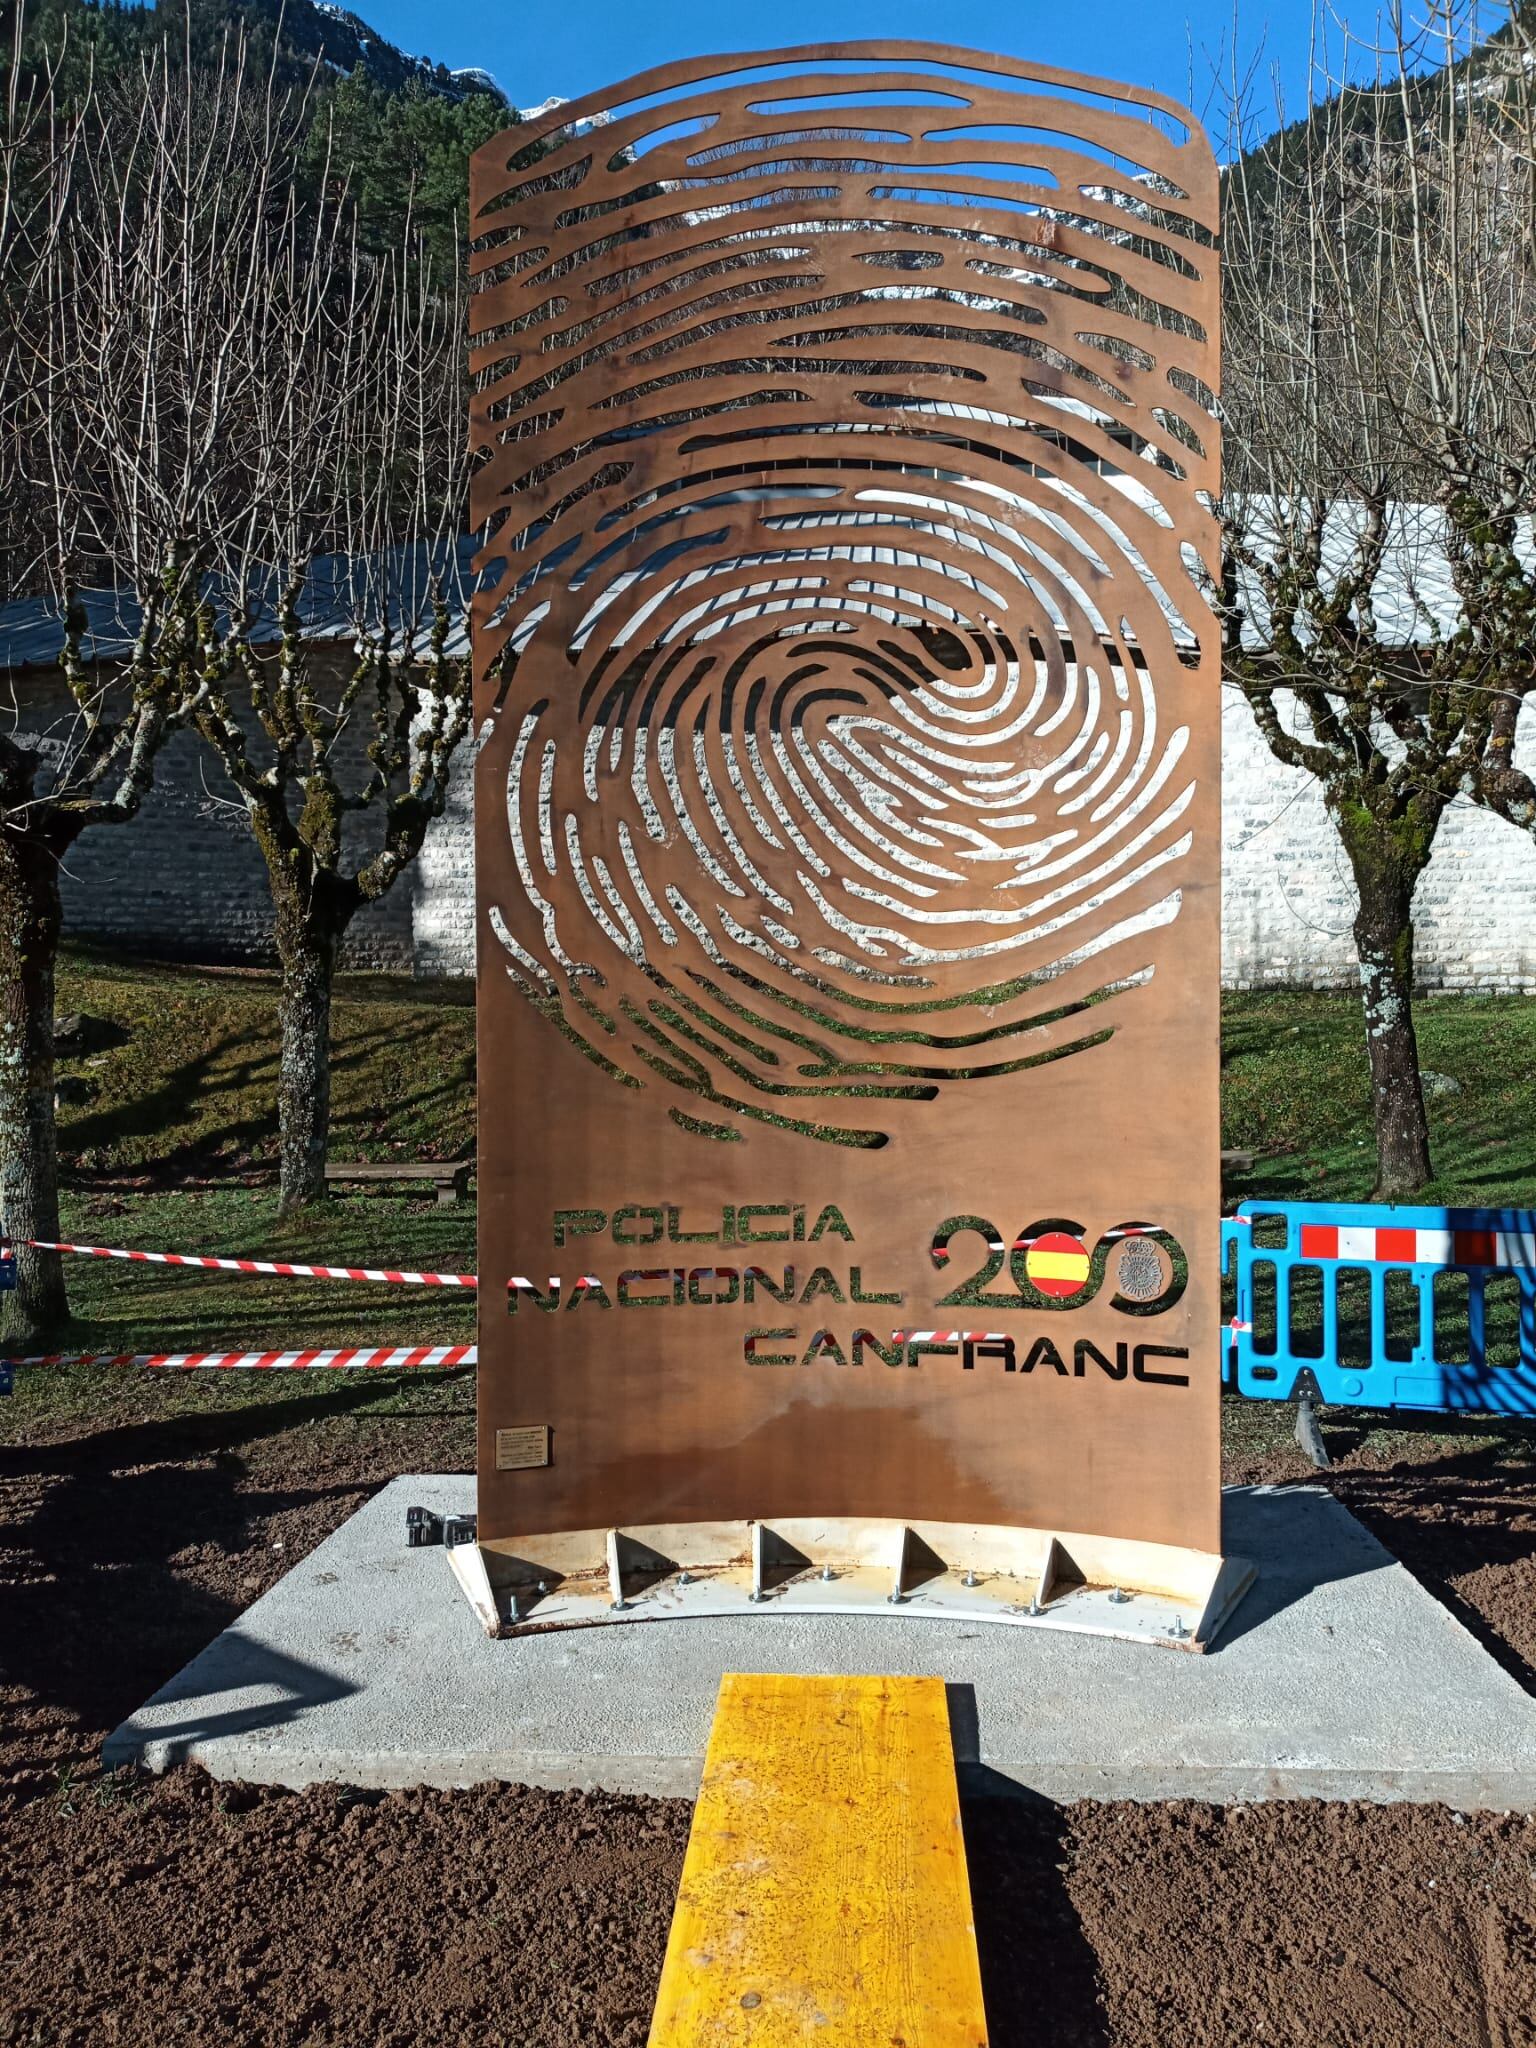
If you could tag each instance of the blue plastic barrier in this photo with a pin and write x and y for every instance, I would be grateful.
(1368, 1305)
(1364, 1305)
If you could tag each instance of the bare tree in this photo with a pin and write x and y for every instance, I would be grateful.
(359, 522)
(248, 429)
(93, 763)
(1376, 606)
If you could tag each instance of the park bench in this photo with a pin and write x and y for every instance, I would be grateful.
(449, 1176)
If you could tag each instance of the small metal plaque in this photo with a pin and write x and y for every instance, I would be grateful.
(518, 1449)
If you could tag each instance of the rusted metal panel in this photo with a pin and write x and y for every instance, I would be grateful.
(847, 799)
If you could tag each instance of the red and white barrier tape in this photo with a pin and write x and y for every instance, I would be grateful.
(382, 1358)
(949, 1336)
(286, 1272)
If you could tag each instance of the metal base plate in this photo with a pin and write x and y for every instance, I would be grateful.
(1031, 1578)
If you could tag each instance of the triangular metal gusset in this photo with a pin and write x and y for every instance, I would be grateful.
(1143, 1592)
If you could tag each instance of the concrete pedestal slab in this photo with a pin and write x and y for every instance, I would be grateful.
(1338, 1677)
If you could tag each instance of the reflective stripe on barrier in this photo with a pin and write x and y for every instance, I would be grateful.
(1375, 1306)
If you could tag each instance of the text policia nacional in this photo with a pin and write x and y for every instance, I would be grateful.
(1052, 1265)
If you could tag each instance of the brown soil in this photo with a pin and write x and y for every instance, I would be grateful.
(135, 1911)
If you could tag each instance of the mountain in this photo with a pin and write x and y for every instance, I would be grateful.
(399, 129)
(293, 35)
(1488, 69)
(344, 42)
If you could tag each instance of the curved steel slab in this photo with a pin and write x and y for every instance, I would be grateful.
(846, 801)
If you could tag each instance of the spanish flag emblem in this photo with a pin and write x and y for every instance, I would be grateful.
(1057, 1264)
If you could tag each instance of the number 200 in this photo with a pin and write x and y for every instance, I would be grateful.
(973, 1292)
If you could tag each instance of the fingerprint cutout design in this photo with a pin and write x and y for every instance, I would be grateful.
(847, 457)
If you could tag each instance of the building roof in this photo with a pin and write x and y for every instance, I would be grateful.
(1414, 593)
(338, 589)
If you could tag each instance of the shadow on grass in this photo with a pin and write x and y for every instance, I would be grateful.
(166, 1320)
(216, 1108)
(121, 1306)
(431, 1104)
(144, 1119)
(1494, 1176)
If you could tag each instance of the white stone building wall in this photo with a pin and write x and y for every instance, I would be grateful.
(1288, 898)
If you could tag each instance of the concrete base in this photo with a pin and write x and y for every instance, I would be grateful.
(1338, 1677)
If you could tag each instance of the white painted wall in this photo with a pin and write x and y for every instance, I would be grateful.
(1288, 898)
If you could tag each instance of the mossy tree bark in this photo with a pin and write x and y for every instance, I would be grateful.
(47, 799)
(29, 1155)
(283, 755)
(1387, 857)
(313, 904)
(1378, 295)
(1392, 735)
(1386, 807)
(306, 950)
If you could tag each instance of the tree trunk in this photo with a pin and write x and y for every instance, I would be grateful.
(307, 948)
(29, 1153)
(1387, 859)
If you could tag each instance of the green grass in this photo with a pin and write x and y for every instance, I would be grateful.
(191, 1091)
(81, 1401)
(120, 1307)
(1295, 1090)
(188, 1096)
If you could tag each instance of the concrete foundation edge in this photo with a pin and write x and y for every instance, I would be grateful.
(674, 1777)
(1343, 1679)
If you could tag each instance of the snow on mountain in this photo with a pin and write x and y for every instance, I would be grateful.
(559, 99)
(344, 42)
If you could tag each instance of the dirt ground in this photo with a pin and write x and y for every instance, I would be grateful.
(137, 1910)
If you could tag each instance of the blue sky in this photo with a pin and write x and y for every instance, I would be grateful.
(572, 46)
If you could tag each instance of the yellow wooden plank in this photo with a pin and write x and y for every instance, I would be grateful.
(824, 1895)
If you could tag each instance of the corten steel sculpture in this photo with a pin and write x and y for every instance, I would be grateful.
(847, 825)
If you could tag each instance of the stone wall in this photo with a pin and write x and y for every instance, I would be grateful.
(184, 879)
(1288, 898)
